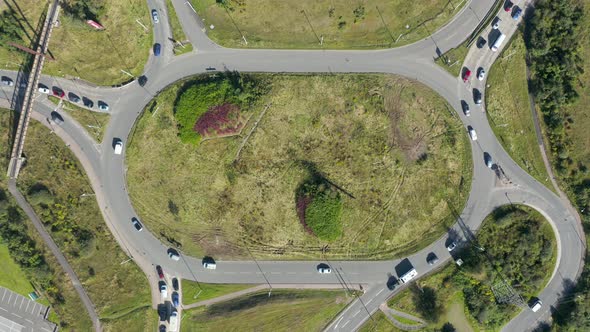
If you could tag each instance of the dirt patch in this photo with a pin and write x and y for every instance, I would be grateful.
(412, 143)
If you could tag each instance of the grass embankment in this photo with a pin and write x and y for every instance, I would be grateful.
(32, 256)
(338, 24)
(99, 56)
(378, 323)
(383, 142)
(509, 110)
(95, 123)
(305, 310)
(190, 290)
(53, 181)
(519, 242)
(177, 32)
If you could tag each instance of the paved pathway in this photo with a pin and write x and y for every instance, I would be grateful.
(406, 327)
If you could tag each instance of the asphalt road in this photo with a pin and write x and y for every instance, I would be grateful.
(107, 171)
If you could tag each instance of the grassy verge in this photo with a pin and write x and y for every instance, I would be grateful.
(53, 181)
(95, 123)
(509, 110)
(405, 320)
(139, 320)
(452, 61)
(99, 56)
(283, 311)
(356, 130)
(177, 32)
(378, 323)
(463, 297)
(336, 24)
(190, 289)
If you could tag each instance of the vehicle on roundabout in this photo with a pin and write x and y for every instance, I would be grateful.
(481, 73)
(118, 145)
(173, 254)
(324, 269)
(163, 289)
(535, 306)
(452, 246)
(136, 224)
(57, 118)
(155, 16)
(472, 134)
(392, 283)
(209, 263)
(465, 107)
(160, 272)
(103, 106)
(466, 75)
(431, 259)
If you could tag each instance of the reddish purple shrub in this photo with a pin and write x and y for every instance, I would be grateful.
(302, 203)
(220, 120)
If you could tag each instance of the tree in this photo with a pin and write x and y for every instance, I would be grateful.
(425, 301)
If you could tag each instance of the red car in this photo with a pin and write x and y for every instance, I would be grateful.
(466, 75)
(58, 92)
(508, 6)
(160, 272)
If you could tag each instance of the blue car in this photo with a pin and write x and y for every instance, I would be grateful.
(516, 13)
(157, 48)
(175, 299)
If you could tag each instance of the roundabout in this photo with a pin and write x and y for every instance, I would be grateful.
(108, 172)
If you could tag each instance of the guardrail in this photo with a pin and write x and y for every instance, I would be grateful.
(27, 102)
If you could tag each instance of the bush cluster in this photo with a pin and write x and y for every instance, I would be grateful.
(321, 208)
(206, 93)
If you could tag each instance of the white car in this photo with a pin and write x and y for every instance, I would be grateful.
(209, 265)
(103, 106)
(7, 81)
(119, 147)
(163, 290)
(536, 306)
(155, 16)
(324, 270)
(481, 74)
(496, 23)
(44, 90)
(472, 134)
(452, 246)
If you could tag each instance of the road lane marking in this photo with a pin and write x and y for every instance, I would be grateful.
(370, 300)
(338, 322)
(348, 321)
(356, 313)
(380, 292)
(291, 272)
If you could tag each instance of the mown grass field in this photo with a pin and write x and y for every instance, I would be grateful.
(190, 289)
(453, 285)
(77, 226)
(303, 310)
(394, 147)
(509, 110)
(95, 123)
(12, 276)
(81, 51)
(337, 24)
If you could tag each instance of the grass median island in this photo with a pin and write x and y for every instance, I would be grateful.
(196, 292)
(519, 242)
(284, 310)
(177, 33)
(323, 24)
(55, 184)
(391, 148)
(95, 123)
(509, 110)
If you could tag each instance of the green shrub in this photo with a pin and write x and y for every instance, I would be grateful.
(322, 215)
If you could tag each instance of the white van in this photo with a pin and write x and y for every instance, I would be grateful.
(498, 42)
(118, 147)
(173, 326)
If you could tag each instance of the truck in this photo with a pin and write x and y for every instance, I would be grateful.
(173, 326)
(498, 42)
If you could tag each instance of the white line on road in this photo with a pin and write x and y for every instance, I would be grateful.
(189, 4)
(338, 322)
(380, 292)
(370, 300)
(348, 321)
(356, 313)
